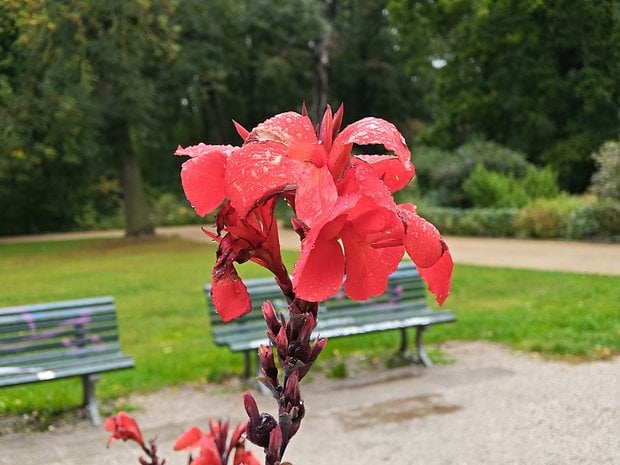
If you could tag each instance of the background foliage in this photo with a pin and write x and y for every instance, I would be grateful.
(95, 96)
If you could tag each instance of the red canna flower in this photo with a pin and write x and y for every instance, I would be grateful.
(123, 427)
(350, 226)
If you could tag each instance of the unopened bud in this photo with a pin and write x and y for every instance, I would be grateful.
(268, 364)
(259, 431)
(269, 313)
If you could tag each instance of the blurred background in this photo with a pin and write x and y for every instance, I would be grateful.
(511, 107)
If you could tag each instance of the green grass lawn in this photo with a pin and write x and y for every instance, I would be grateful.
(157, 285)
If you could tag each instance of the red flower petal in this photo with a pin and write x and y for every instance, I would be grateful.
(203, 181)
(422, 240)
(369, 131)
(316, 194)
(110, 424)
(390, 170)
(203, 149)
(229, 294)
(257, 170)
(439, 275)
(319, 271)
(235, 439)
(429, 252)
(244, 457)
(367, 268)
(366, 182)
(189, 439)
(284, 128)
(209, 455)
(243, 132)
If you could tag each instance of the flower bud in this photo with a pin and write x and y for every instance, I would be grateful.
(315, 350)
(275, 445)
(298, 351)
(269, 313)
(260, 425)
(282, 345)
(268, 364)
(259, 431)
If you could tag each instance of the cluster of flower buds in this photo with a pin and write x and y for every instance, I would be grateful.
(291, 341)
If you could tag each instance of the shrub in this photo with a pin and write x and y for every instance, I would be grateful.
(440, 174)
(600, 220)
(493, 222)
(541, 183)
(169, 210)
(605, 182)
(489, 189)
(494, 157)
(548, 218)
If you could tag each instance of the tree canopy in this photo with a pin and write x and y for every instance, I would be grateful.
(95, 96)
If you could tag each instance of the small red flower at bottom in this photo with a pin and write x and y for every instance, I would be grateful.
(123, 427)
(214, 446)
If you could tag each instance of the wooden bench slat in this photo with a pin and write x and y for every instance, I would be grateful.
(68, 304)
(330, 327)
(63, 356)
(43, 350)
(58, 371)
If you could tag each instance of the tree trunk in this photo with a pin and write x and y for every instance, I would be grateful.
(137, 218)
(137, 212)
(321, 92)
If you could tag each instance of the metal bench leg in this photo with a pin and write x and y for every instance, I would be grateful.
(403, 340)
(247, 369)
(424, 358)
(90, 403)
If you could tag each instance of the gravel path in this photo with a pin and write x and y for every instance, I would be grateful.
(586, 257)
(490, 407)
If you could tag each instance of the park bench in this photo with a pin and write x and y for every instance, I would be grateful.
(56, 340)
(402, 306)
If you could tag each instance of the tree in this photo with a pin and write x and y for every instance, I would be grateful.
(98, 63)
(127, 44)
(366, 70)
(47, 138)
(539, 77)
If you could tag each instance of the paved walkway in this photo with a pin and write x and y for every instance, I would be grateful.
(585, 257)
(491, 407)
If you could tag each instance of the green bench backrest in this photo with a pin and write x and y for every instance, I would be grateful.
(31, 334)
(404, 285)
